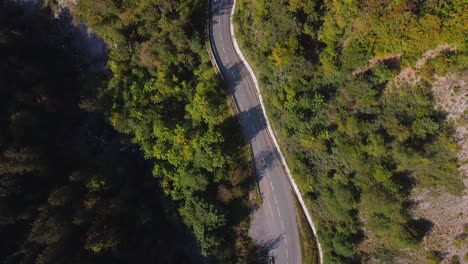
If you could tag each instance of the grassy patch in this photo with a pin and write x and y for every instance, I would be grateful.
(255, 197)
(306, 235)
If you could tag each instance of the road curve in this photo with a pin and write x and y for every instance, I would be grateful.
(274, 224)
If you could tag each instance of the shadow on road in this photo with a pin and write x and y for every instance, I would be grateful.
(219, 8)
(272, 243)
(253, 120)
(263, 161)
(266, 246)
(235, 73)
(262, 252)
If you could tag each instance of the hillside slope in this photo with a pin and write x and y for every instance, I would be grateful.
(348, 88)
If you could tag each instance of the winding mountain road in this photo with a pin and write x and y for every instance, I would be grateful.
(274, 224)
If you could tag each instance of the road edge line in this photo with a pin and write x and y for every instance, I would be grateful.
(272, 135)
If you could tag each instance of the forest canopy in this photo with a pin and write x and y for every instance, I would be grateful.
(142, 162)
(164, 93)
(72, 190)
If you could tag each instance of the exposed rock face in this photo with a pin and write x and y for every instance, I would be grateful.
(451, 94)
(448, 213)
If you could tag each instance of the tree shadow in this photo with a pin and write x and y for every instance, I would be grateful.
(234, 73)
(263, 161)
(421, 226)
(87, 47)
(406, 180)
(263, 249)
(220, 7)
(252, 120)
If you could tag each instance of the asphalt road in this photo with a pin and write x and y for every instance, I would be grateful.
(274, 224)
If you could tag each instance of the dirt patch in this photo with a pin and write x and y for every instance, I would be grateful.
(411, 75)
(376, 60)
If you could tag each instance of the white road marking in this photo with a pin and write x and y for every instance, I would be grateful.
(276, 201)
(272, 186)
(287, 256)
(222, 45)
(282, 226)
